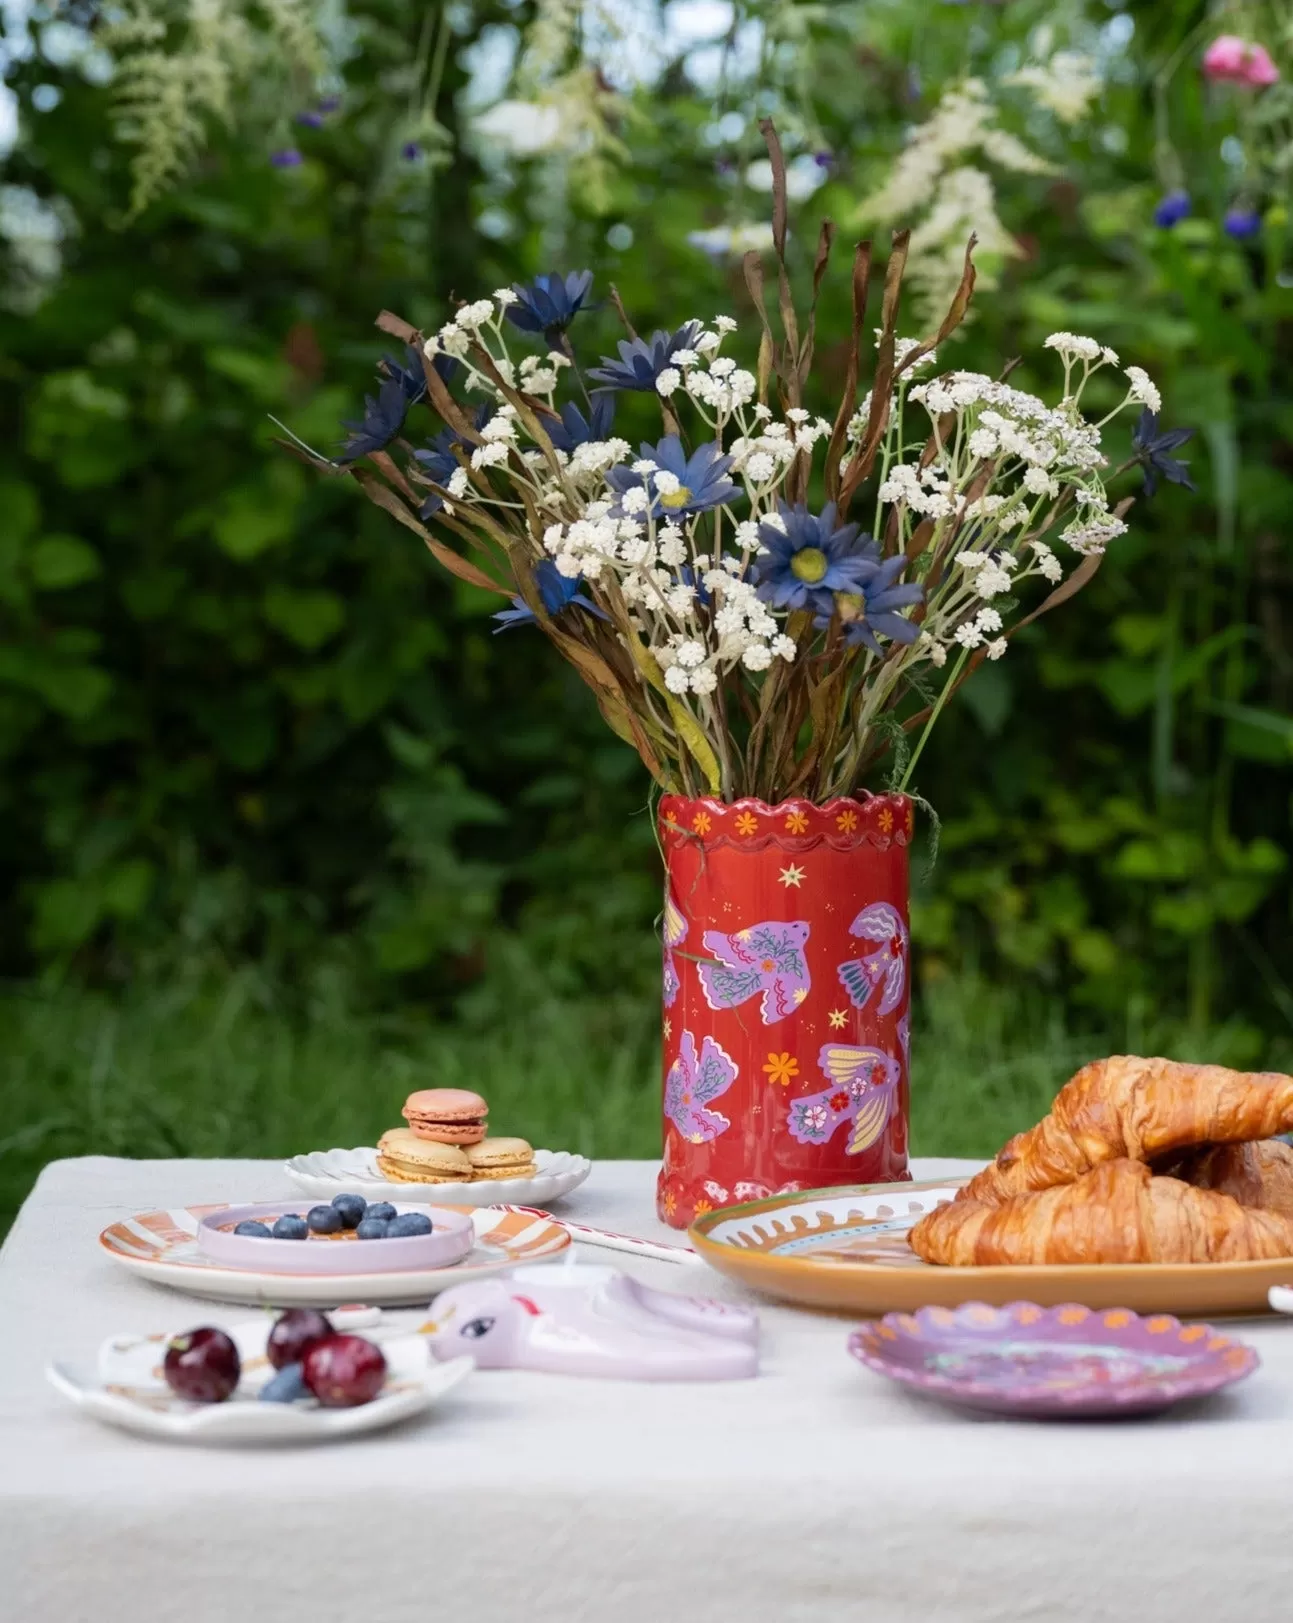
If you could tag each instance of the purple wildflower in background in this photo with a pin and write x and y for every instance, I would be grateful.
(328, 104)
(312, 119)
(824, 160)
(1242, 222)
(286, 158)
(1172, 207)
(410, 152)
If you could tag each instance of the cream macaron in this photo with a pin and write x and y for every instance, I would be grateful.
(501, 1158)
(404, 1157)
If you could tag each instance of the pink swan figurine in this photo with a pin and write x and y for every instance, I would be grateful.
(589, 1319)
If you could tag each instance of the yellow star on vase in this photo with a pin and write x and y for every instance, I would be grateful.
(800, 994)
(668, 1028)
(839, 1018)
(792, 875)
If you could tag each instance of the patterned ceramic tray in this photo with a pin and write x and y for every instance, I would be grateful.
(163, 1247)
(846, 1249)
(1031, 1360)
(324, 1173)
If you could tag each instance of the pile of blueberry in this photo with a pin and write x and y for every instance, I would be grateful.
(312, 1360)
(380, 1221)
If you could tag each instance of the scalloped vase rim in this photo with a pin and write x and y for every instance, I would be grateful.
(864, 797)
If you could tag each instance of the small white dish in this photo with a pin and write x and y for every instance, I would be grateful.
(450, 1239)
(324, 1173)
(1280, 1298)
(162, 1246)
(128, 1390)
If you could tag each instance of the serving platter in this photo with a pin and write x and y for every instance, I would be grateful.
(325, 1173)
(1065, 1361)
(846, 1250)
(162, 1247)
(128, 1389)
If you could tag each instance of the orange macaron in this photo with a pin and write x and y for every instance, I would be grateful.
(446, 1115)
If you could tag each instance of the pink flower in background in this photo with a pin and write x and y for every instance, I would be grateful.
(1232, 60)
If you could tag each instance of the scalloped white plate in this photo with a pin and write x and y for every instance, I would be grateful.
(333, 1172)
(129, 1390)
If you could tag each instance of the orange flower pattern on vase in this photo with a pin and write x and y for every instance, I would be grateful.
(701, 1207)
(781, 1068)
(796, 822)
(885, 820)
(747, 824)
(847, 821)
(701, 822)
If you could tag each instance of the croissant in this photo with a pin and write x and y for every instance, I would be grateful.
(1139, 1109)
(1119, 1212)
(1259, 1175)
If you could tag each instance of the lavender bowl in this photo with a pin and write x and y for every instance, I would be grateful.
(1052, 1361)
(449, 1241)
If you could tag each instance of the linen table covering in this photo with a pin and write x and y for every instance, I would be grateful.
(817, 1492)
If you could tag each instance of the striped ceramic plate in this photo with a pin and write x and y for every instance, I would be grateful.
(162, 1247)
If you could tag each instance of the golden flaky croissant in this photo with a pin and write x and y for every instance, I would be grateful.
(1120, 1212)
(1138, 1109)
(1259, 1175)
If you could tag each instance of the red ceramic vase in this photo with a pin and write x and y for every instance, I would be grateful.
(786, 998)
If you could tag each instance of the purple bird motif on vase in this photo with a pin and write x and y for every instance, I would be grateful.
(694, 1081)
(885, 966)
(766, 958)
(863, 1087)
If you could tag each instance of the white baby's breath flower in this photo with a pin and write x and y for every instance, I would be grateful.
(703, 681)
(666, 483)
(707, 343)
(992, 581)
(775, 520)
(671, 545)
(458, 483)
(972, 560)
(762, 412)
(645, 465)
(1039, 483)
(968, 635)
(690, 653)
(680, 600)
(635, 501)
(724, 324)
(784, 647)
(996, 648)
(1093, 534)
(988, 620)
(757, 656)
(747, 535)
(684, 357)
(937, 655)
(760, 468)
(475, 315)
(1109, 356)
(668, 381)
(505, 296)
(489, 455)
(499, 427)
(723, 367)
(1069, 343)
(454, 341)
(1143, 389)
(676, 679)
(569, 564)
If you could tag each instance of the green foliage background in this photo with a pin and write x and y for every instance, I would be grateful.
(245, 721)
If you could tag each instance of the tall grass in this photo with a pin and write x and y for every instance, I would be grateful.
(197, 1072)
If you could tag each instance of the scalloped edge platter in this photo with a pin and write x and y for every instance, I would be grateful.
(845, 1250)
(325, 1173)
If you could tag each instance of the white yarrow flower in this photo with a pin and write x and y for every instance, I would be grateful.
(996, 648)
(676, 679)
(1143, 389)
(1069, 343)
(668, 381)
(458, 482)
(703, 681)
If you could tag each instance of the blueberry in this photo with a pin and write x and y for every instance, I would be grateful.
(406, 1224)
(290, 1227)
(381, 1209)
(352, 1209)
(372, 1228)
(324, 1220)
(256, 1230)
(287, 1386)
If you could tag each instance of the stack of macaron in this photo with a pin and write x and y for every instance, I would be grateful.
(446, 1141)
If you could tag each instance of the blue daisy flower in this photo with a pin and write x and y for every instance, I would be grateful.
(576, 429)
(1172, 208)
(803, 565)
(1152, 448)
(871, 607)
(549, 303)
(643, 359)
(557, 592)
(438, 461)
(399, 387)
(702, 478)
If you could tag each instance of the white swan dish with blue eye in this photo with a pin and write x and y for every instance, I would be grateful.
(587, 1319)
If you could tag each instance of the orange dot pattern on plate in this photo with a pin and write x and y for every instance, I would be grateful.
(1073, 1315)
(1160, 1324)
(1192, 1332)
(1119, 1319)
(1028, 1315)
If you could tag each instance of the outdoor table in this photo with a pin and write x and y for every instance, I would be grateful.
(818, 1492)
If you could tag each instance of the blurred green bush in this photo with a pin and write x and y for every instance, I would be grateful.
(243, 717)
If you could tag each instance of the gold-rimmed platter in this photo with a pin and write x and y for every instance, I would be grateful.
(846, 1251)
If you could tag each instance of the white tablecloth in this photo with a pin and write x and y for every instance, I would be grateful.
(817, 1493)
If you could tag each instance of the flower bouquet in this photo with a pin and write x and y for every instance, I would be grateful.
(771, 605)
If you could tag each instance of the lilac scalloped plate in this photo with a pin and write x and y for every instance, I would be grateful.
(1052, 1361)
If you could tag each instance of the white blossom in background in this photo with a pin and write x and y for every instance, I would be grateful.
(1066, 85)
